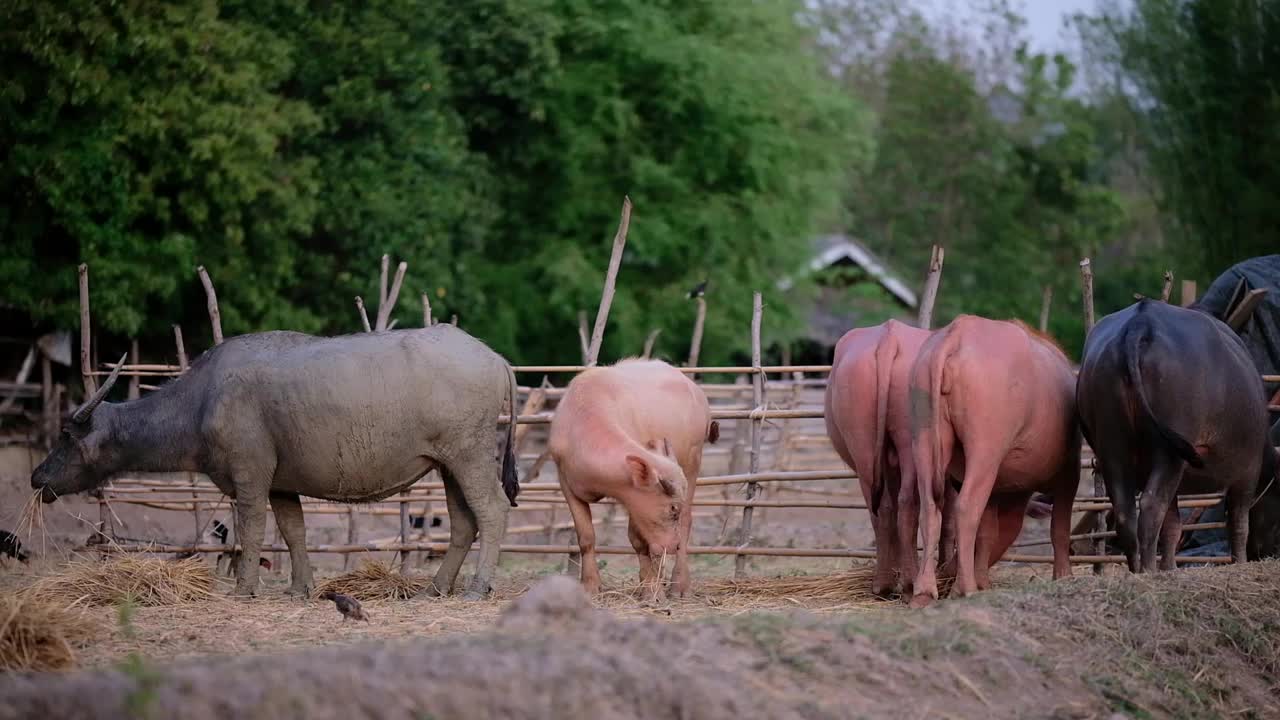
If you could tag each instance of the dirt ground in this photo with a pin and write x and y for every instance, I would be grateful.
(1194, 643)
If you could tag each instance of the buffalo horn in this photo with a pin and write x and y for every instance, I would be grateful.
(84, 411)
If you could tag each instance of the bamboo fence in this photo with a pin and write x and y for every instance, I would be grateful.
(195, 494)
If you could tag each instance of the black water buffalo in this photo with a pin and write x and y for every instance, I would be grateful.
(1169, 399)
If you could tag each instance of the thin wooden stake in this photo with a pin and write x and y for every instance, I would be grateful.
(86, 361)
(384, 310)
(182, 350)
(930, 294)
(649, 341)
(1099, 486)
(364, 315)
(1168, 286)
(48, 406)
(426, 311)
(382, 281)
(1188, 292)
(695, 343)
(1086, 276)
(135, 391)
(584, 336)
(215, 317)
(610, 280)
(1046, 301)
(757, 313)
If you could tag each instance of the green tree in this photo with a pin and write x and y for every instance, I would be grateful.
(140, 137)
(1200, 78)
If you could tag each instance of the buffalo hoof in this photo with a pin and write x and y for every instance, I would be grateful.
(921, 601)
(474, 595)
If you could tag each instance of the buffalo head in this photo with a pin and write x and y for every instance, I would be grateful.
(660, 503)
(76, 462)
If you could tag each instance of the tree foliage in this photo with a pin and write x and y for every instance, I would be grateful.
(287, 145)
(1200, 78)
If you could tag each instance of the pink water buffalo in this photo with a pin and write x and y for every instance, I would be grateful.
(868, 421)
(634, 432)
(992, 408)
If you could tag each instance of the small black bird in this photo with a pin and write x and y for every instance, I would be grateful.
(698, 290)
(10, 546)
(347, 605)
(220, 531)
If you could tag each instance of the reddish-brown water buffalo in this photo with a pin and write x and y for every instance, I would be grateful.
(634, 432)
(1169, 398)
(868, 421)
(993, 408)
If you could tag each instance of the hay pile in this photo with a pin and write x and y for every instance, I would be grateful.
(41, 636)
(851, 586)
(145, 581)
(373, 580)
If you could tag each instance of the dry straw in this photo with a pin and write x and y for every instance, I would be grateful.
(38, 635)
(145, 581)
(373, 580)
(850, 586)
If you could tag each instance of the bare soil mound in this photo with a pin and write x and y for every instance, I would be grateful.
(1195, 643)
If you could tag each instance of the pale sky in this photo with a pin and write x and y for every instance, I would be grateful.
(1044, 17)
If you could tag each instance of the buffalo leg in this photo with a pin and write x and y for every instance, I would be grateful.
(884, 522)
(1119, 479)
(975, 493)
(1170, 534)
(680, 576)
(462, 533)
(251, 524)
(1064, 495)
(650, 573)
(1239, 502)
(288, 511)
(983, 549)
(581, 513)
(490, 505)
(1161, 489)
(908, 527)
(931, 488)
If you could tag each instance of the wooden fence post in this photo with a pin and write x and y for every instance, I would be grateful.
(757, 311)
(364, 315)
(1168, 286)
(1099, 485)
(699, 320)
(211, 296)
(135, 389)
(610, 282)
(930, 294)
(1188, 292)
(86, 363)
(1046, 301)
(182, 350)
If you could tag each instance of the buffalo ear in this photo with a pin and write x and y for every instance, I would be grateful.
(641, 473)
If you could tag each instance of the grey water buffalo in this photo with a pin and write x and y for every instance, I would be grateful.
(992, 408)
(273, 416)
(1169, 399)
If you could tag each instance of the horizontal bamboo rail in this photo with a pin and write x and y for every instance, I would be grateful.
(619, 550)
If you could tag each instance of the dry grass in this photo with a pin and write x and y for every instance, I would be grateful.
(39, 635)
(144, 581)
(851, 586)
(373, 580)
